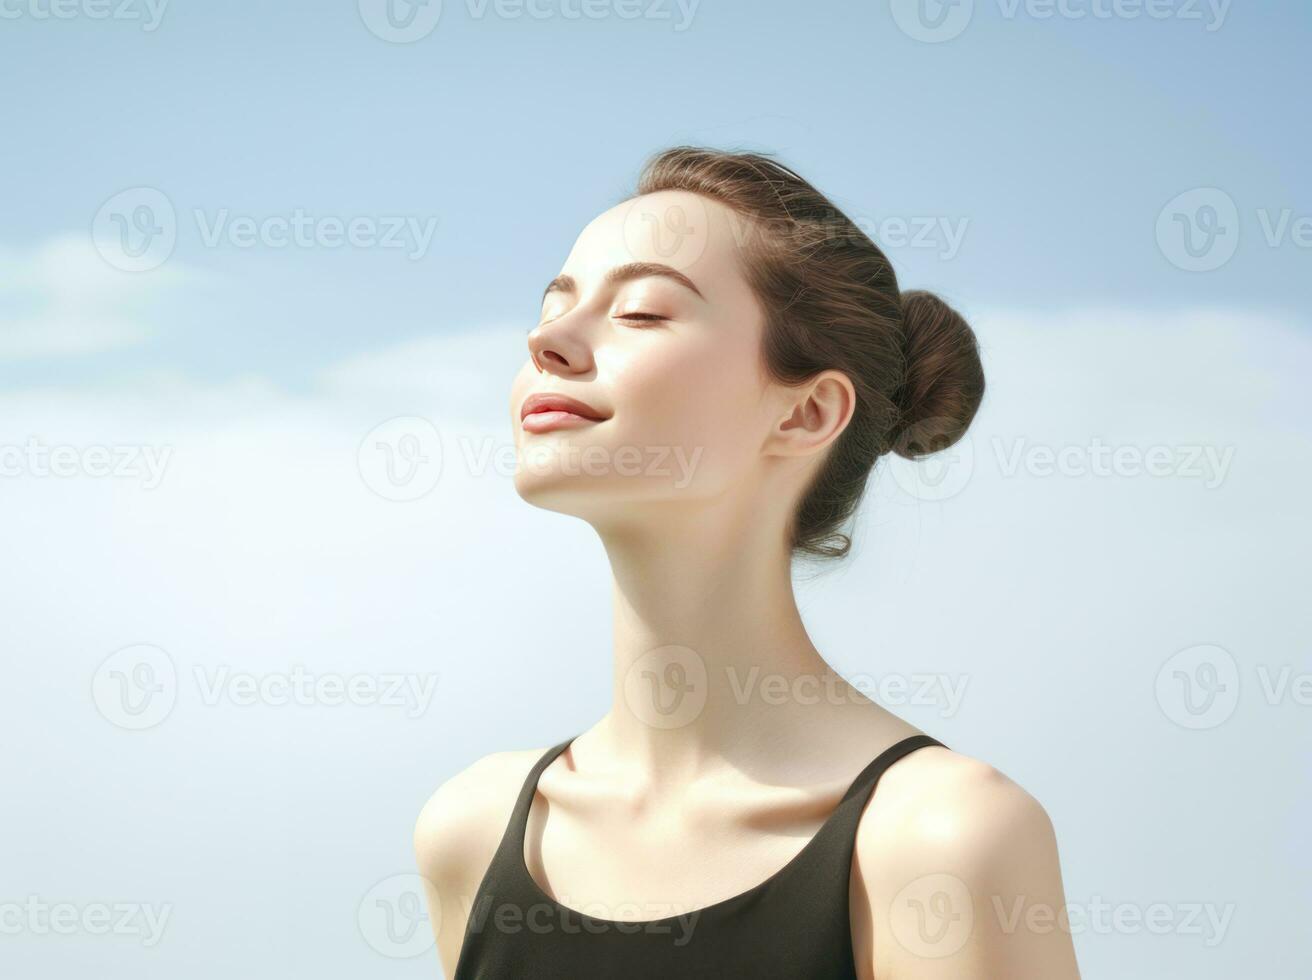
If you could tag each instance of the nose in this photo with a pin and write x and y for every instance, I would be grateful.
(561, 347)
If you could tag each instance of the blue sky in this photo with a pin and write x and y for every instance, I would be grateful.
(1050, 143)
(1119, 203)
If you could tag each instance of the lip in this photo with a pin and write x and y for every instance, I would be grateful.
(544, 411)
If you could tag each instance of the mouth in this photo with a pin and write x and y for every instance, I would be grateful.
(543, 412)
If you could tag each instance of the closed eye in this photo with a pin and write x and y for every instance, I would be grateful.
(641, 316)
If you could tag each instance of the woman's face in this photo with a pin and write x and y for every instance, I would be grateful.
(652, 325)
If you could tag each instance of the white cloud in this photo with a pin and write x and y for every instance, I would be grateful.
(62, 298)
(461, 375)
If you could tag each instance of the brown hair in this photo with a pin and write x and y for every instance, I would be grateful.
(832, 301)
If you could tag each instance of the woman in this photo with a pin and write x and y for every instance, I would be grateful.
(717, 368)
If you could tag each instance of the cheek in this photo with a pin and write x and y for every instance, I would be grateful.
(694, 398)
(519, 388)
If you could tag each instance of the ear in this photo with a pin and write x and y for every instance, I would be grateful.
(818, 412)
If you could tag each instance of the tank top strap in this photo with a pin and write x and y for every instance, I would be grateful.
(831, 847)
(837, 838)
(518, 825)
(847, 814)
(865, 781)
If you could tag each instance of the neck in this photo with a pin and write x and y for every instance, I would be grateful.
(706, 635)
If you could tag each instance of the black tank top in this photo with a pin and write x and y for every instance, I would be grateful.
(794, 925)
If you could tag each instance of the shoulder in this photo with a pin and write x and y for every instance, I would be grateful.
(459, 827)
(948, 836)
(951, 804)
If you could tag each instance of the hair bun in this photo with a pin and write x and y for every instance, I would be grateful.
(943, 382)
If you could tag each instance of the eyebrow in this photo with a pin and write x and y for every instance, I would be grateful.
(626, 273)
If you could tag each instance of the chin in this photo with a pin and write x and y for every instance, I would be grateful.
(551, 485)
